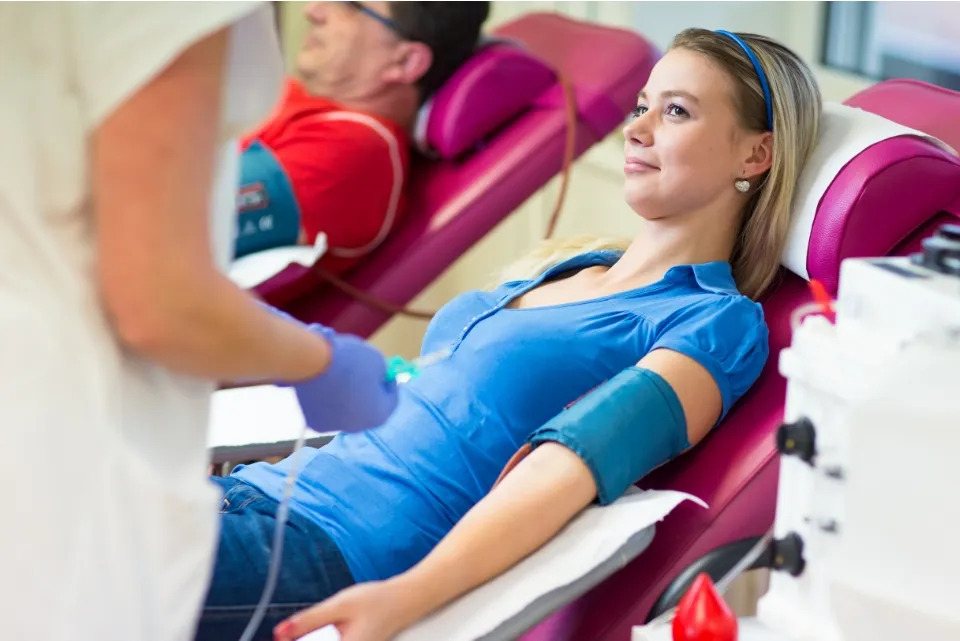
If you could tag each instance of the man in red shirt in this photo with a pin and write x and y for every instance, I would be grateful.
(335, 156)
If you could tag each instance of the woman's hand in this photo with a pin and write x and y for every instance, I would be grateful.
(532, 503)
(375, 611)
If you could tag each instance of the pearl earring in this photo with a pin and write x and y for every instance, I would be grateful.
(742, 185)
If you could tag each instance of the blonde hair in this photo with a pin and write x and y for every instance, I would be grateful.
(797, 104)
(551, 252)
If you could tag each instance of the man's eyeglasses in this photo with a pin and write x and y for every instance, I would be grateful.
(382, 19)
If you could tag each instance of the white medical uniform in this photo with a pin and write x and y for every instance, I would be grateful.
(108, 526)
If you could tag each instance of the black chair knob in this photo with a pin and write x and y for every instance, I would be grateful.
(798, 439)
(941, 252)
(788, 554)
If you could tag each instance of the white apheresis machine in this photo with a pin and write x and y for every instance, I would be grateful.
(869, 491)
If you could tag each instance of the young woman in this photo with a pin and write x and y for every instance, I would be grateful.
(649, 343)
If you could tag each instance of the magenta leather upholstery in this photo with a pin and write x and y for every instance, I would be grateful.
(880, 198)
(501, 81)
(882, 203)
(454, 203)
(935, 112)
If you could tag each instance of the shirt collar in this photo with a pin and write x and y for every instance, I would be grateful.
(716, 277)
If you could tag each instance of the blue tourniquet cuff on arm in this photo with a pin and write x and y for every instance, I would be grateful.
(622, 430)
(268, 213)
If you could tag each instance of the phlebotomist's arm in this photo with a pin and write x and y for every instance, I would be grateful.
(151, 172)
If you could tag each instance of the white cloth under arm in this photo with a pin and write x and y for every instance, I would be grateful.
(109, 523)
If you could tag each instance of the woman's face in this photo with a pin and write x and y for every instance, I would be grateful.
(684, 145)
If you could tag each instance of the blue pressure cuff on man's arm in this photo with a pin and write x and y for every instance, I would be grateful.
(268, 213)
(622, 430)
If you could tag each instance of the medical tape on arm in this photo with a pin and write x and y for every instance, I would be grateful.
(622, 430)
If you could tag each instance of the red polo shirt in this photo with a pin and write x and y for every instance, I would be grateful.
(343, 171)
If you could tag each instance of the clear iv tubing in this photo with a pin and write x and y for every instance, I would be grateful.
(284, 509)
(432, 357)
(801, 312)
(277, 551)
(409, 369)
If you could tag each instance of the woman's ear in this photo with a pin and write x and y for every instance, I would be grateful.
(413, 61)
(759, 155)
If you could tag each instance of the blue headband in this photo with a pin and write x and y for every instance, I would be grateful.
(767, 98)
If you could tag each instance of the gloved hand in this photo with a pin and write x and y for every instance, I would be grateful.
(353, 394)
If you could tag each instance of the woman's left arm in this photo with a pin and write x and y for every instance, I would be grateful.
(531, 504)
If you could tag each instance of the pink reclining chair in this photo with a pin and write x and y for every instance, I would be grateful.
(496, 133)
(882, 202)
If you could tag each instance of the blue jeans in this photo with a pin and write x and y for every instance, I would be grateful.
(311, 568)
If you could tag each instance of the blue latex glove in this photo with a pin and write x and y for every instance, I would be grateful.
(353, 394)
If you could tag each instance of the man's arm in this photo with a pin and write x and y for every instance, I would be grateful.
(268, 212)
(340, 177)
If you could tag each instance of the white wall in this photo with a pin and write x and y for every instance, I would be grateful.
(593, 203)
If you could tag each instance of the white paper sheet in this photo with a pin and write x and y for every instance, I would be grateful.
(589, 540)
(844, 133)
(253, 269)
(249, 415)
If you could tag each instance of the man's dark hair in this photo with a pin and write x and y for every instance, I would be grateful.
(450, 29)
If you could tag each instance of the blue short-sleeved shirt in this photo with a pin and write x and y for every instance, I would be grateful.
(388, 495)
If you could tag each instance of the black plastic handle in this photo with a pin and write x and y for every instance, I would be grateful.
(784, 554)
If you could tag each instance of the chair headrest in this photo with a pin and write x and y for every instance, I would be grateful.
(898, 100)
(841, 207)
(499, 82)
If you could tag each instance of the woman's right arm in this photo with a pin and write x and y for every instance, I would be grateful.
(152, 171)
